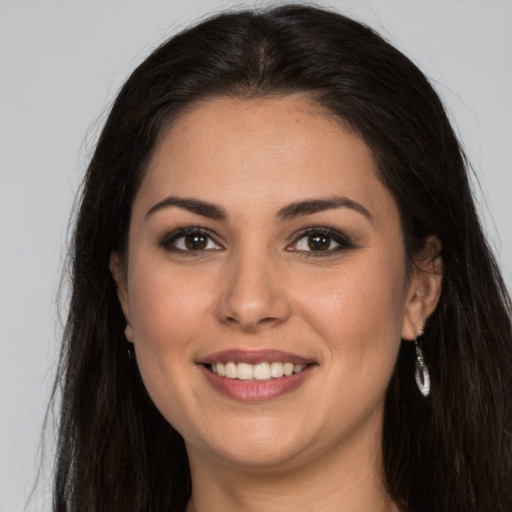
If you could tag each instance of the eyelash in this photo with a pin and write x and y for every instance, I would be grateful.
(168, 241)
(343, 241)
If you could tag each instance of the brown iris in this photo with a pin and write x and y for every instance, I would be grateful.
(319, 242)
(196, 242)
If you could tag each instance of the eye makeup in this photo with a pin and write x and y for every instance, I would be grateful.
(320, 241)
(314, 241)
(190, 241)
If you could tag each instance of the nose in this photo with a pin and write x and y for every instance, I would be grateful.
(254, 295)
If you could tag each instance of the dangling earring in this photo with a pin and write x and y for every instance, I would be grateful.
(128, 333)
(421, 374)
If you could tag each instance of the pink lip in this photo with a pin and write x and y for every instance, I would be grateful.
(253, 390)
(253, 357)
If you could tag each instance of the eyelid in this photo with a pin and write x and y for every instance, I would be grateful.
(344, 241)
(167, 240)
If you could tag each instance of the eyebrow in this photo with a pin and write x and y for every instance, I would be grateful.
(311, 206)
(203, 208)
(289, 212)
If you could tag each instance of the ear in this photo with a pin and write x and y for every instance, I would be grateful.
(117, 269)
(424, 288)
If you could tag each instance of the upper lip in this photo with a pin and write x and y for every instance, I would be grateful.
(254, 357)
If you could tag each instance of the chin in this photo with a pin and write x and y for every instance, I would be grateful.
(261, 444)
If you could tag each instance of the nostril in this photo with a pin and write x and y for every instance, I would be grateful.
(253, 296)
(253, 324)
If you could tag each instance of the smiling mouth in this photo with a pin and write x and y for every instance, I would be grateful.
(256, 375)
(263, 371)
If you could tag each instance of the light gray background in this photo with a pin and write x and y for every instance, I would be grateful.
(61, 63)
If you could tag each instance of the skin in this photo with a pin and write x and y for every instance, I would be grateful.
(257, 284)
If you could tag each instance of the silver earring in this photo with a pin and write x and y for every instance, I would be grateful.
(421, 374)
(128, 333)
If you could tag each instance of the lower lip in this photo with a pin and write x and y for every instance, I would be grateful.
(254, 390)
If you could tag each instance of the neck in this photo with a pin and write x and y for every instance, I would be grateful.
(349, 479)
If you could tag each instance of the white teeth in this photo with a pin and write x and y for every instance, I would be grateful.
(231, 370)
(298, 368)
(244, 371)
(276, 369)
(259, 371)
(288, 369)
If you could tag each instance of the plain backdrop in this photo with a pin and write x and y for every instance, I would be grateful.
(61, 63)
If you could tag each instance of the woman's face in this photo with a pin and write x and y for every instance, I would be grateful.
(262, 243)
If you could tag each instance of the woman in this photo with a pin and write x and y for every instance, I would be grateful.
(282, 297)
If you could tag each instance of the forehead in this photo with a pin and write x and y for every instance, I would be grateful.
(261, 151)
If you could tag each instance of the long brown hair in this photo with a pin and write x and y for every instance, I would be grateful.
(452, 451)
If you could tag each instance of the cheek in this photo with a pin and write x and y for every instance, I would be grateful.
(359, 311)
(165, 306)
(168, 311)
(360, 322)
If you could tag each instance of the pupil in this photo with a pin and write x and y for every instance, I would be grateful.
(318, 242)
(195, 242)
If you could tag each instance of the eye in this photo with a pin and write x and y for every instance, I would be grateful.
(191, 240)
(317, 242)
(323, 241)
